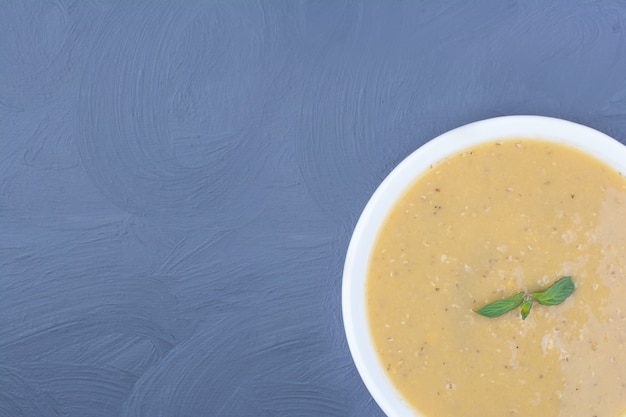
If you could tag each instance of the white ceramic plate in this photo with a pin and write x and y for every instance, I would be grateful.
(357, 330)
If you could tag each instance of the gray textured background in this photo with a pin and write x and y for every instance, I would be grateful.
(179, 181)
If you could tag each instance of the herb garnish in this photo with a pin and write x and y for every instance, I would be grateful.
(553, 295)
(526, 306)
(498, 308)
(556, 293)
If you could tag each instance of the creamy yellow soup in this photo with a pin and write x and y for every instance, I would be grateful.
(483, 225)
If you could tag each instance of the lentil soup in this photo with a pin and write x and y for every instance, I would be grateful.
(482, 225)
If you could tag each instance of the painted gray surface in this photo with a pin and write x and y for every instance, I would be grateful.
(179, 181)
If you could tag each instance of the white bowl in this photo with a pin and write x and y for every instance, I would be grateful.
(384, 198)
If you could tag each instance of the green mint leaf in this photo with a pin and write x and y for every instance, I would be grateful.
(498, 308)
(556, 293)
(526, 306)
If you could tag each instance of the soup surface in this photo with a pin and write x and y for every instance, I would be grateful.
(483, 225)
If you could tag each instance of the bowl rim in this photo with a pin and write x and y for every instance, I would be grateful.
(354, 308)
